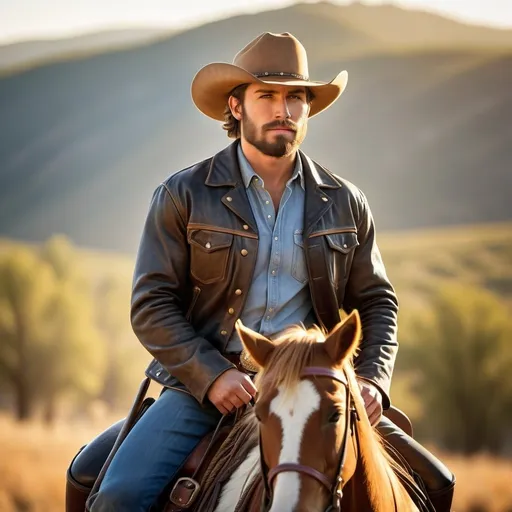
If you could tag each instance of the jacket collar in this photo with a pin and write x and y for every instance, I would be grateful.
(225, 170)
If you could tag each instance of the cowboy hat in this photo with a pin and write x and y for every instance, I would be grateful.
(269, 59)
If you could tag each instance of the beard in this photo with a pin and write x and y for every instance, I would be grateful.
(280, 145)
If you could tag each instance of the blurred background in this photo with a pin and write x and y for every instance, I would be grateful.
(95, 111)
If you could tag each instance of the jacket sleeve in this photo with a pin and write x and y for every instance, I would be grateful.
(371, 293)
(160, 283)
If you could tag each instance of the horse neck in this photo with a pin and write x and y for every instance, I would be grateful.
(374, 481)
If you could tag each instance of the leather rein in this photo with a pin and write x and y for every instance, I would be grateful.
(334, 488)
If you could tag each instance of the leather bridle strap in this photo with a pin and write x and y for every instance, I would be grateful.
(299, 468)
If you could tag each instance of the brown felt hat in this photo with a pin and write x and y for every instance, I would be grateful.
(269, 59)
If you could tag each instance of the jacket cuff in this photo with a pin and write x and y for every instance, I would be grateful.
(214, 366)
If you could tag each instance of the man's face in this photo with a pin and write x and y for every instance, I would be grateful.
(274, 118)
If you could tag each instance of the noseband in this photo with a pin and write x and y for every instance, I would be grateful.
(334, 488)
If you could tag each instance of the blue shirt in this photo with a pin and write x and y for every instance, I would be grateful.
(279, 293)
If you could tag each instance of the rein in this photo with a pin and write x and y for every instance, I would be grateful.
(334, 488)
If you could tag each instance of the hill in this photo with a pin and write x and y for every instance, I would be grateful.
(19, 56)
(423, 127)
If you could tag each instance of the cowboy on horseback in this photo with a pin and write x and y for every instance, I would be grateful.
(261, 233)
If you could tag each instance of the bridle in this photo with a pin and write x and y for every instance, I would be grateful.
(334, 488)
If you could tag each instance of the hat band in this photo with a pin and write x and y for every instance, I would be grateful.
(281, 74)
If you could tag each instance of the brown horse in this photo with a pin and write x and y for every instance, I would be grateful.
(312, 447)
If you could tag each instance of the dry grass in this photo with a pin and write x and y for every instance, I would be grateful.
(34, 460)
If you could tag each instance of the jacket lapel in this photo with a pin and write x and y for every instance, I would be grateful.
(225, 172)
(318, 200)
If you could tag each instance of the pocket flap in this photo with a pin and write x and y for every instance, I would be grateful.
(210, 241)
(342, 242)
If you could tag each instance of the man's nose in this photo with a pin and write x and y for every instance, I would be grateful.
(282, 111)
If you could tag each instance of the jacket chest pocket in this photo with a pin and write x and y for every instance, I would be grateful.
(341, 248)
(209, 255)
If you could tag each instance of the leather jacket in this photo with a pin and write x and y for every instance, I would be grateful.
(197, 256)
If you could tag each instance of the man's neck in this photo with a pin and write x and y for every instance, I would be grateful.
(275, 172)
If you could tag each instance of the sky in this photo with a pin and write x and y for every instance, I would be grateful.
(34, 19)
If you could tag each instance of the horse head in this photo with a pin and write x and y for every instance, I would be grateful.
(305, 412)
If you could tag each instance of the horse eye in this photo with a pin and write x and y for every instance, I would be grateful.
(334, 417)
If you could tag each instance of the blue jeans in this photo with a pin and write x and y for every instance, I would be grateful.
(153, 452)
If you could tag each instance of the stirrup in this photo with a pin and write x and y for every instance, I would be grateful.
(184, 492)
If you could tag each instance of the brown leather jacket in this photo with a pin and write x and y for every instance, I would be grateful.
(197, 256)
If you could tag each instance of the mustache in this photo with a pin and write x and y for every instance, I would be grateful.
(281, 124)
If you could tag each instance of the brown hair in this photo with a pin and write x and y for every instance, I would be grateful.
(231, 124)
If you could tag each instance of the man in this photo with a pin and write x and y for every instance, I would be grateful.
(262, 233)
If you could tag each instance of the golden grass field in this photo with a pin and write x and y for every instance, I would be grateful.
(34, 460)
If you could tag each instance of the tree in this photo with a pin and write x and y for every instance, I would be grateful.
(50, 346)
(126, 358)
(463, 355)
(26, 288)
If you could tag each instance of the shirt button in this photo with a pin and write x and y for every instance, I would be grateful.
(276, 238)
(345, 246)
(325, 199)
(273, 272)
(208, 245)
(267, 202)
(269, 216)
(270, 310)
(223, 332)
(229, 199)
(245, 226)
(238, 292)
(231, 311)
(268, 318)
(244, 252)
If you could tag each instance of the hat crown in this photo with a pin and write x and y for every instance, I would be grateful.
(274, 54)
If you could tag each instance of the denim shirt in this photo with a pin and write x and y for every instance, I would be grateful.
(279, 293)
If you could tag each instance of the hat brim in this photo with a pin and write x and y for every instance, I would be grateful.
(213, 84)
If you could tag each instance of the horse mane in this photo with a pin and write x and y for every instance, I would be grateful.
(293, 352)
(380, 469)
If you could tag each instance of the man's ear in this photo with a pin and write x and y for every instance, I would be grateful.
(235, 106)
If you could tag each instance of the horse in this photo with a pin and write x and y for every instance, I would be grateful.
(307, 444)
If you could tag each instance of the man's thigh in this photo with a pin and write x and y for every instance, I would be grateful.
(155, 449)
(432, 471)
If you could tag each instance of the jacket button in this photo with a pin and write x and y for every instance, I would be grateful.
(231, 311)
(223, 332)
(244, 252)
(238, 292)
(245, 226)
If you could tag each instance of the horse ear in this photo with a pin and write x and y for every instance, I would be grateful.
(343, 340)
(258, 347)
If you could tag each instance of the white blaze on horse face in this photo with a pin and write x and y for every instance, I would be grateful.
(294, 410)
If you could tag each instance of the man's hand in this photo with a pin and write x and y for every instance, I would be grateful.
(372, 401)
(231, 390)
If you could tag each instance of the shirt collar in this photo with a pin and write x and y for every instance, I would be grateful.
(248, 173)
